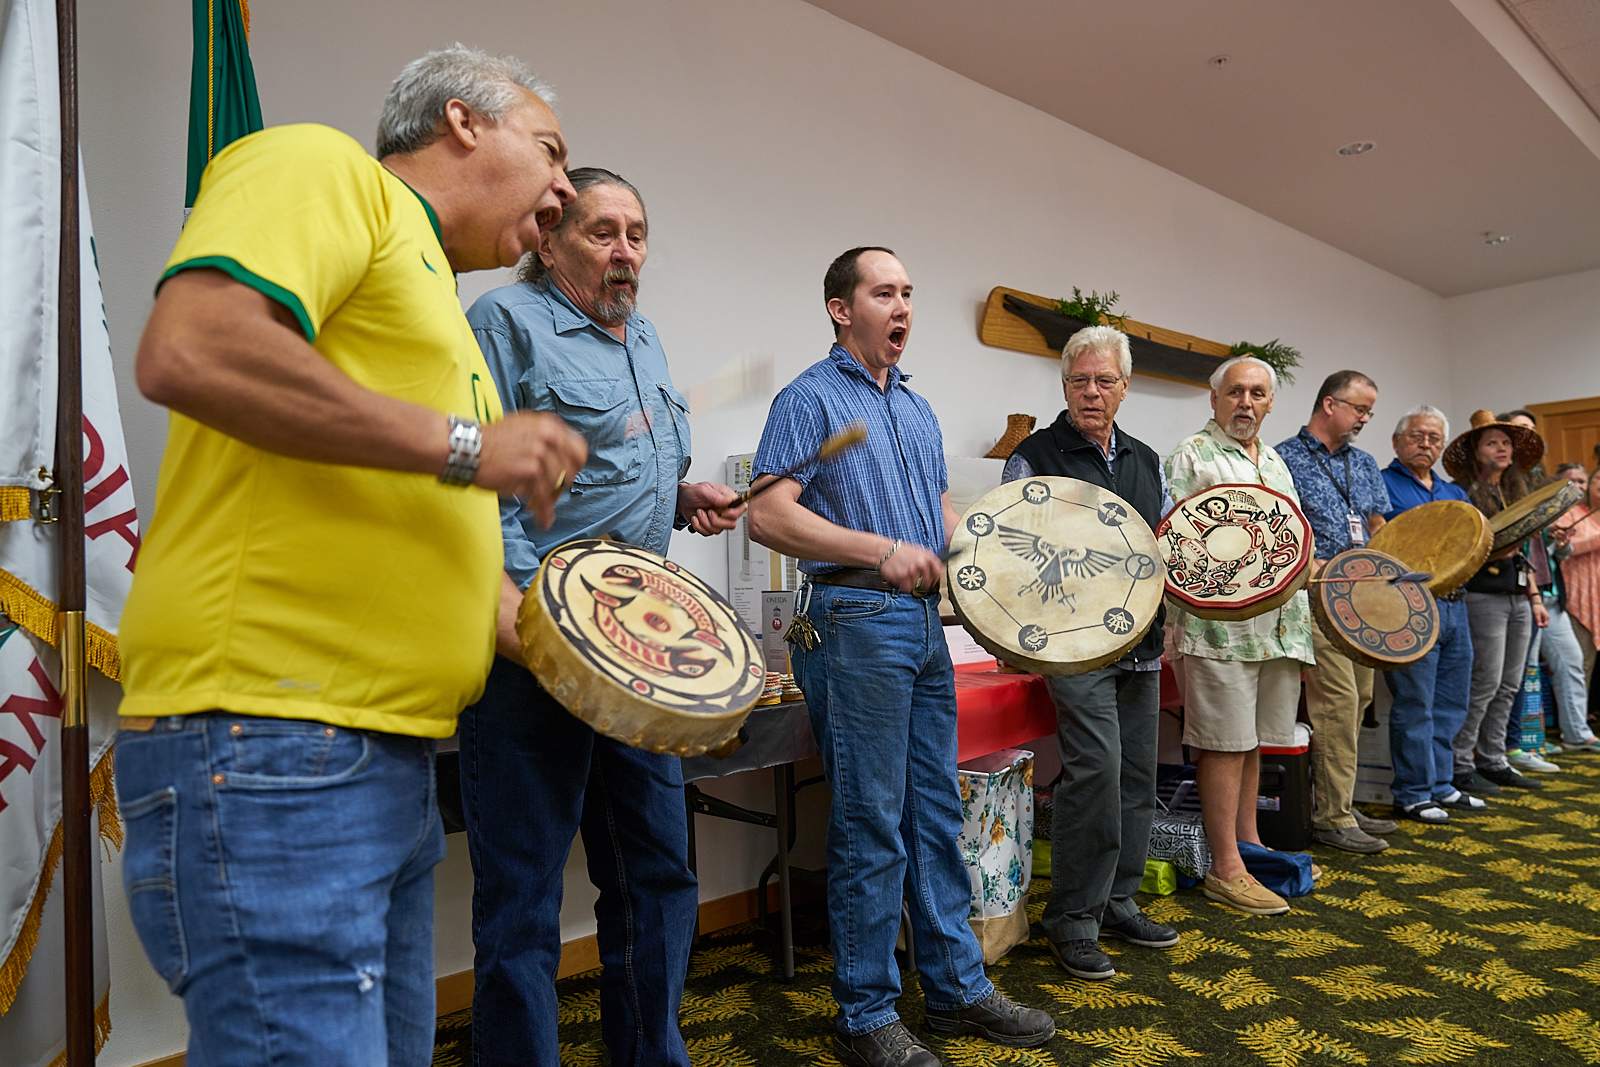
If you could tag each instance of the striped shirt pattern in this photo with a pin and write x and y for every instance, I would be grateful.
(890, 485)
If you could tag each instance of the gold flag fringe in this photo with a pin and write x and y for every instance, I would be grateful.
(102, 1030)
(37, 615)
(103, 797)
(14, 501)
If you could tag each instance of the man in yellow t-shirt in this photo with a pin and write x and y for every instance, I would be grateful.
(317, 595)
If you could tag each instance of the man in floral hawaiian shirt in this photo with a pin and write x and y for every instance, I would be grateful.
(1241, 679)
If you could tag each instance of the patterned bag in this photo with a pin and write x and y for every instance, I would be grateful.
(996, 844)
(1529, 710)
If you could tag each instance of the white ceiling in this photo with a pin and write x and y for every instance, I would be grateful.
(1465, 143)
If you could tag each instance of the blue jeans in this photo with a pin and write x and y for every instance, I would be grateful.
(1106, 726)
(532, 778)
(280, 876)
(881, 693)
(1560, 648)
(1430, 704)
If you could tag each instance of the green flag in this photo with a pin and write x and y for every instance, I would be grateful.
(223, 105)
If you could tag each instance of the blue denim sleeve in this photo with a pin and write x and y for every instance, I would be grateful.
(505, 367)
(793, 433)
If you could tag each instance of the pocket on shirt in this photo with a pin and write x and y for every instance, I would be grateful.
(678, 404)
(598, 409)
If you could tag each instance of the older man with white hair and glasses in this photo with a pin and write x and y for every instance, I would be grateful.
(1241, 680)
(316, 595)
(1430, 695)
(1106, 720)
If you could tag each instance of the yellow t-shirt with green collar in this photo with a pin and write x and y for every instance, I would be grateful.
(280, 587)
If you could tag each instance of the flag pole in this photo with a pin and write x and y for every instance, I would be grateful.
(77, 854)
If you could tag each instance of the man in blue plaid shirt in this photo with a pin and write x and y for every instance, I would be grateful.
(870, 530)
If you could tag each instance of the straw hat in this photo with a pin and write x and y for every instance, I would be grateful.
(1527, 446)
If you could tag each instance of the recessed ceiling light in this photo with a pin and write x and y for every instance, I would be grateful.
(1489, 238)
(1219, 61)
(1356, 148)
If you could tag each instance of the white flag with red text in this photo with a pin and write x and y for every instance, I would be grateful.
(32, 1020)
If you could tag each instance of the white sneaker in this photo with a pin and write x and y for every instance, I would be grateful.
(1527, 761)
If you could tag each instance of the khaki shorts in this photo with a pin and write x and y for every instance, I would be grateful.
(1230, 706)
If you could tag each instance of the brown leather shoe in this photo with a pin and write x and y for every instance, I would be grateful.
(1246, 894)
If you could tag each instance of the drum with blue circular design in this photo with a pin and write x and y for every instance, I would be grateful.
(1055, 575)
(1372, 612)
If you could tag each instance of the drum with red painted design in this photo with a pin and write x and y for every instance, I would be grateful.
(1371, 612)
(1235, 551)
(639, 648)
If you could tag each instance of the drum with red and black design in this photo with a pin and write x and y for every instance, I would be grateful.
(639, 648)
(1235, 551)
(1373, 610)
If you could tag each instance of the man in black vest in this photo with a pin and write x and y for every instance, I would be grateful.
(1105, 720)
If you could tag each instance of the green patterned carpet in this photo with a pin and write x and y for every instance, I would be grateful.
(1473, 943)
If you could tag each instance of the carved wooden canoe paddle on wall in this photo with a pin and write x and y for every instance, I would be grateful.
(1027, 323)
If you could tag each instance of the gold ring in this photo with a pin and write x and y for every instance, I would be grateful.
(561, 480)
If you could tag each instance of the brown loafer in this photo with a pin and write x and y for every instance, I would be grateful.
(1246, 894)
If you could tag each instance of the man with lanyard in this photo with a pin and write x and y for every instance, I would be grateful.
(870, 654)
(1430, 695)
(567, 340)
(315, 598)
(1241, 680)
(1106, 720)
(1343, 497)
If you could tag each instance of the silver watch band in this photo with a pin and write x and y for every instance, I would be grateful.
(466, 442)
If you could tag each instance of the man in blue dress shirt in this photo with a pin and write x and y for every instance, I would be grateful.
(567, 340)
(1343, 497)
(1430, 695)
(869, 530)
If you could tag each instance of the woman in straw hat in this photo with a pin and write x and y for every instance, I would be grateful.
(1490, 461)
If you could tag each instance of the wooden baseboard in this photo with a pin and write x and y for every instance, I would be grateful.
(454, 991)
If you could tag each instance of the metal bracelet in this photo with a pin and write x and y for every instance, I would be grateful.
(886, 555)
(466, 442)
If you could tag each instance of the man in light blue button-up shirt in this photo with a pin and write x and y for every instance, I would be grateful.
(567, 340)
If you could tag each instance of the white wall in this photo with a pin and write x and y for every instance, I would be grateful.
(766, 136)
(1533, 343)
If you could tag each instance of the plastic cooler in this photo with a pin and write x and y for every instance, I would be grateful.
(1283, 806)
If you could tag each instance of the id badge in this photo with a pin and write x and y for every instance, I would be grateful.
(1358, 530)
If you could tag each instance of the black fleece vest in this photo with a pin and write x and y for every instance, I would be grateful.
(1061, 451)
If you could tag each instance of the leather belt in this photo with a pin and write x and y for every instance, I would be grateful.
(865, 578)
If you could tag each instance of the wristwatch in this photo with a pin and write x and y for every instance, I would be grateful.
(466, 443)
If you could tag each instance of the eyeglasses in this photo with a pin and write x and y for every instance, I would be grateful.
(1104, 382)
(1428, 439)
(1361, 410)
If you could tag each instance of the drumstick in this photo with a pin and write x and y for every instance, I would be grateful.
(845, 439)
(1408, 576)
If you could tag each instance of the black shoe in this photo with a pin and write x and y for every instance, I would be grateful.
(1428, 811)
(1142, 930)
(890, 1045)
(997, 1018)
(1509, 778)
(1083, 959)
(1476, 784)
(1463, 801)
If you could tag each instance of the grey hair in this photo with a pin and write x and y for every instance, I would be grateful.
(413, 112)
(532, 268)
(1222, 371)
(1422, 411)
(1107, 339)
